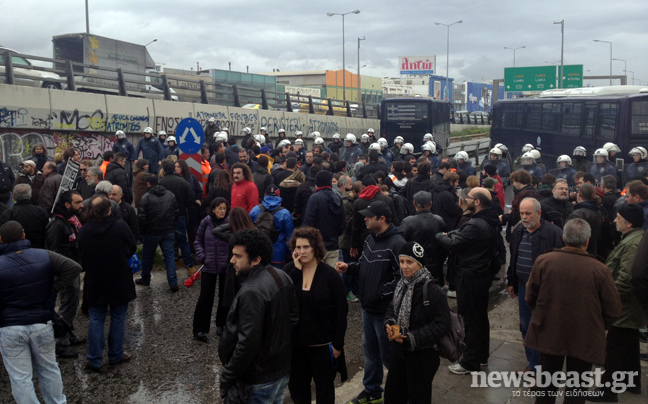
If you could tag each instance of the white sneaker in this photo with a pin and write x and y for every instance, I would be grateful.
(451, 293)
(457, 369)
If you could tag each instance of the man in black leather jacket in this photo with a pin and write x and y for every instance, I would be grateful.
(256, 343)
(474, 245)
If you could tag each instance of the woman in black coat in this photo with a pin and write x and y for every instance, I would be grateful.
(415, 329)
(106, 244)
(319, 335)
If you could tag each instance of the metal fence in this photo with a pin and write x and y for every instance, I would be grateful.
(73, 76)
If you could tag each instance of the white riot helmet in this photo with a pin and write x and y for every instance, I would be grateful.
(383, 142)
(283, 143)
(601, 152)
(462, 155)
(216, 134)
(374, 146)
(428, 137)
(171, 139)
(497, 145)
(222, 137)
(281, 131)
(535, 153)
(212, 119)
(364, 138)
(370, 130)
(502, 147)
(579, 151)
(527, 147)
(299, 142)
(260, 138)
(337, 136)
(161, 133)
(399, 140)
(120, 134)
(148, 130)
(350, 137)
(527, 158)
(496, 151)
(226, 130)
(246, 130)
(611, 147)
(640, 151)
(318, 140)
(315, 134)
(264, 128)
(409, 147)
(429, 146)
(564, 159)
(299, 133)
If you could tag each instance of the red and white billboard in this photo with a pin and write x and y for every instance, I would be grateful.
(417, 64)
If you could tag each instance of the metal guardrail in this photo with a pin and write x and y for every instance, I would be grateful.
(82, 77)
(475, 147)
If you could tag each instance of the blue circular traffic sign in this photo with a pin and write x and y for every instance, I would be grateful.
(190, 136)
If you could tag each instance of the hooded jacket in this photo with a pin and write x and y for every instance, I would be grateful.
(106, 247)
(444, 204)
(116, 174)
(210, 250)
(418, 183)
(325, 212)
(61, 235)
(157, 212)
(283, 225)
(589, 211)
(378, 269)
(473, 245)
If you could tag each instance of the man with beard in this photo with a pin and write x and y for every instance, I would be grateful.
(31, 177)
(558, 208)
(50, 186)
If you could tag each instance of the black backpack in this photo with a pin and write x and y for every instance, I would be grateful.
(451, 346)
(265, 222)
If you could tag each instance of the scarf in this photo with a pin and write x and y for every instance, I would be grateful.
(403, 296)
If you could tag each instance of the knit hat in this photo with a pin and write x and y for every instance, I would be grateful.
(272, 190)
(490, 169)
(324, 178)
(413, 250)
(633, 213)
(489, 182)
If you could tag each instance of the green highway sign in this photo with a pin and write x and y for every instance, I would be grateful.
(536, 78)
(573, 77)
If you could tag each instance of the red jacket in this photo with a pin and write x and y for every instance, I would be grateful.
(245, 194)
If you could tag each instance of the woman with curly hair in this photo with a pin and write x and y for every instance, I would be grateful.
(319, 337)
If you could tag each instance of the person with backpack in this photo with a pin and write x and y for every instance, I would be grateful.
(416, 328)
(276, 222)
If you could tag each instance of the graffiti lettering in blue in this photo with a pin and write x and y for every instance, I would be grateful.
(13, 117)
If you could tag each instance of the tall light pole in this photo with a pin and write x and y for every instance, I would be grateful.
(87, 18)
(598, 40)
(448, 54)
(514, 49)
(625, 66)
(562, 49)
(343, 56)
(630, 71)
(154, 40)
(359, 93)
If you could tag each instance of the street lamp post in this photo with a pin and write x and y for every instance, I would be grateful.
(562, 48)
(87, 17)
(359, 93)
(630, 71)
(343, 56)
(448, 54)
(514, 49)
(154, 40)
(625, 66)
(598, 40)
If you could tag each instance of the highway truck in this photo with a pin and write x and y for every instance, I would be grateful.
(99, 53)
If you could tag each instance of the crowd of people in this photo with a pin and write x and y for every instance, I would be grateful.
(286, 236)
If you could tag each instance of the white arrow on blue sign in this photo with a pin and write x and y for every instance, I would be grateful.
(190, 135)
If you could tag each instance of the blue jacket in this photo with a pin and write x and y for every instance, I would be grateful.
(126, 147)
(351, 154)
(388, 156)
(151, 150)
(283, 224)
(27, 285)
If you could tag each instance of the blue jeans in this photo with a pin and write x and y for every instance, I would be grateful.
(269, 393)
(96, 338)
(28, 347)
(148, 252)
(181, 239)
(525, 317)
(377, 351)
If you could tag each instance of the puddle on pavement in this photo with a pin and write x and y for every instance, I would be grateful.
(171, 395)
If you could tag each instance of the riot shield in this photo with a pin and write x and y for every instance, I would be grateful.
(633, 170)
(599, 170)
(564, 173)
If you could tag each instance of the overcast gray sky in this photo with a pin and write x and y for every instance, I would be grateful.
(298, 35)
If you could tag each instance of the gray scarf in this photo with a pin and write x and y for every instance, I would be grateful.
(403, 296)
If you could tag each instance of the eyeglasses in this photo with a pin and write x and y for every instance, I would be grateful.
(470, 197)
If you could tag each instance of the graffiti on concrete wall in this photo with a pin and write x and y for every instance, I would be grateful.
(63, 120)
(16, 145)
(127, 123)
